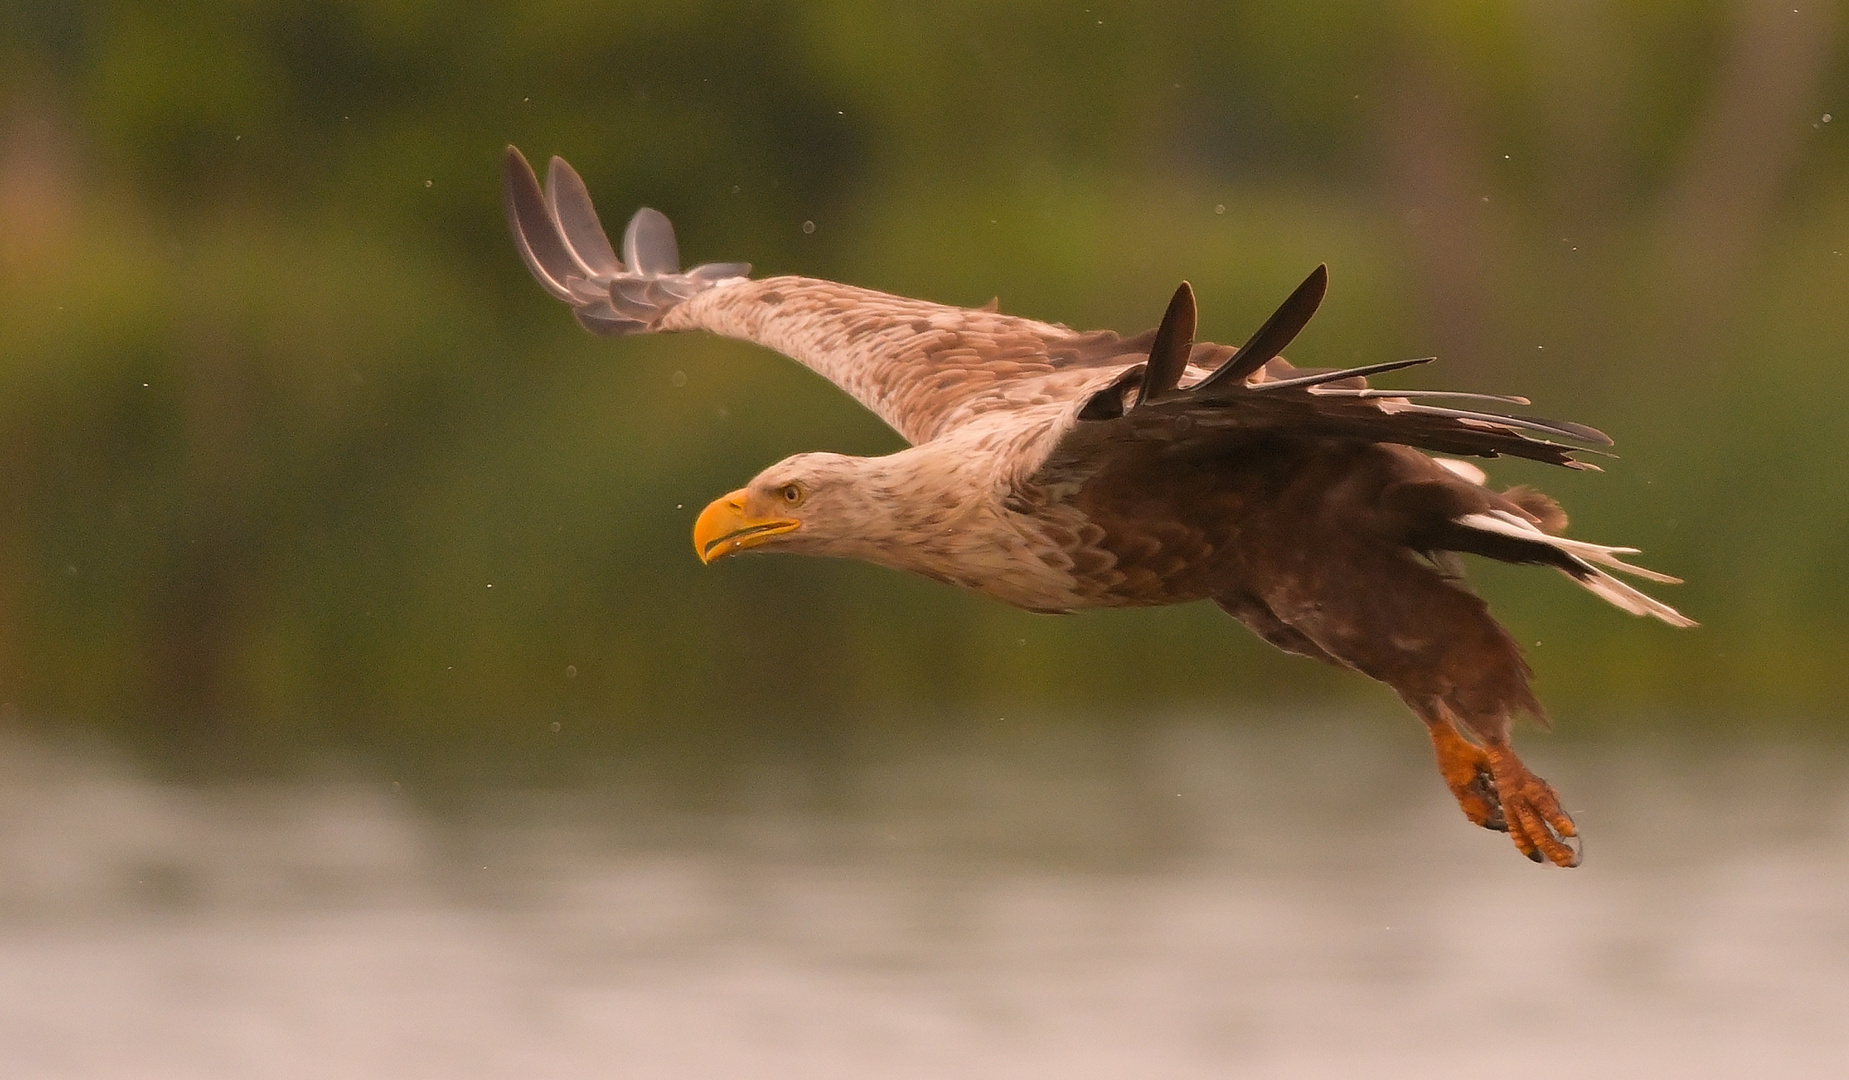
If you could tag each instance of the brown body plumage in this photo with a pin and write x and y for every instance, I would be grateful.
(1058, 470)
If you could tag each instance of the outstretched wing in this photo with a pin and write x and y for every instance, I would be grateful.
(922, 367)
(1250, 394)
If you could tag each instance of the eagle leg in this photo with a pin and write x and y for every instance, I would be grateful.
(1531, 808)
(1495, 790)
(1466, 771)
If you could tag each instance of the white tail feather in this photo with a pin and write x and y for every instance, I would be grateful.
(1501, 521)
(1596, 581)
(1626, 598)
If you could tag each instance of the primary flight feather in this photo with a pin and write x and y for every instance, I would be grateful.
(1058, 470)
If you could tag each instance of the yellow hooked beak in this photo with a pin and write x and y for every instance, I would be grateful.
(724, 528)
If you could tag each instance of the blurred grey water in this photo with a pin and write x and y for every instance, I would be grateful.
(1276, 899)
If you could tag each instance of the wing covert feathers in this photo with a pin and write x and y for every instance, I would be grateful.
(565, 247)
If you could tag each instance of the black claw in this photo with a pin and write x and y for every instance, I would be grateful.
(1535, 856)
(1485, 786)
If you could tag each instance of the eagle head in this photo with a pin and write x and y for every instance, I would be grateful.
(808, 502)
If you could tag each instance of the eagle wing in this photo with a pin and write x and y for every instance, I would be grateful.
(928, 368)
(924, 368)
(1245, 397)
(1241, 396)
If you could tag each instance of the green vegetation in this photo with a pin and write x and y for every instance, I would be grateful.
(293, 454)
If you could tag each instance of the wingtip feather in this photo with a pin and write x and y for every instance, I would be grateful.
(559, 237)
(648, 244)
(528, 219)
(1168, 354)
(1276, 333)
(576, 218)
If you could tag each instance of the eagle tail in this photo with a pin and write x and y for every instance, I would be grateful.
(1582, 562)
(564, 245)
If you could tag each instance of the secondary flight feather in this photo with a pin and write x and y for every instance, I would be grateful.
(1059, 470)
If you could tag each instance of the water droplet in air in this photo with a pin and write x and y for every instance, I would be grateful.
(427, 183)
(1219, 208)
(571, 671)
(556, 726)
(679, 378)
(808, 227)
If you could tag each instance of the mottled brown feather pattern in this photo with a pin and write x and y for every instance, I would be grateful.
(921, 367)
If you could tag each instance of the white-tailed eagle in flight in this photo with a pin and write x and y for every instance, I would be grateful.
(1058, 470)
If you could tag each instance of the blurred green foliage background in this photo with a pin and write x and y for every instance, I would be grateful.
(295, 456)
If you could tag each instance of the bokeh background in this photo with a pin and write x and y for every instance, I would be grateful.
(299, 471)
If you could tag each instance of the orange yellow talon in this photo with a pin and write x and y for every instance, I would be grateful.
(1537, 823)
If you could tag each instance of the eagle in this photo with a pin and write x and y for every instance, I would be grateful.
(1060, 470)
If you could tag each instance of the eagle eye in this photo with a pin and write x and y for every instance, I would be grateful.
(792, 493)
